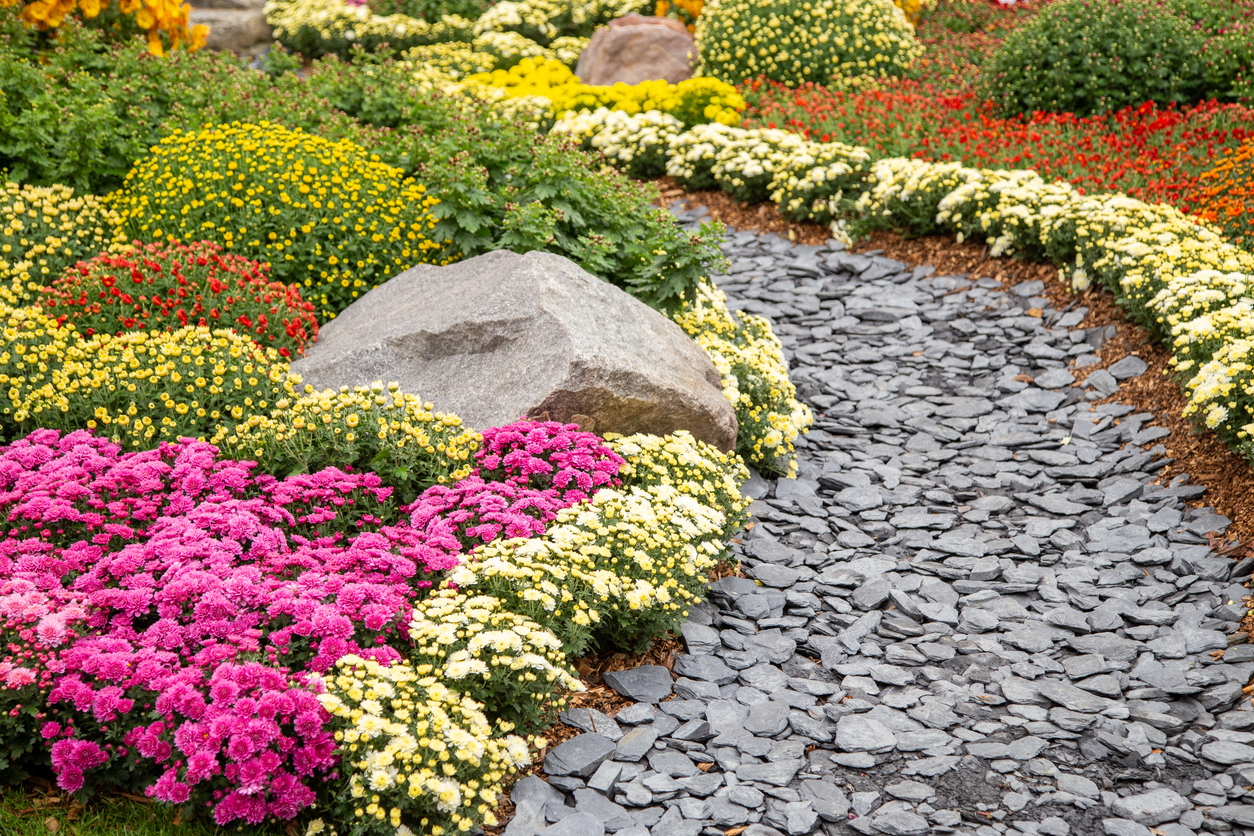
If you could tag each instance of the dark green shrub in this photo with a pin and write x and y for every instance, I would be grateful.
(79, 112)
(1093, 56)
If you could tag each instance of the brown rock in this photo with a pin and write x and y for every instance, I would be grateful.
(634, 48)
(502, 336)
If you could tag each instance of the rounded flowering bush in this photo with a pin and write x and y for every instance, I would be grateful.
(382, 429)
(420, 757)
(472, 512)
(1081, 57)
(44, 230)
(174, 285)
(326, 214)
(139, 388)
(793, 42)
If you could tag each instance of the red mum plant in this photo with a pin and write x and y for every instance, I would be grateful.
(171, 285)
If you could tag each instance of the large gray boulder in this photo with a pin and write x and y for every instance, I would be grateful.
(504, 336)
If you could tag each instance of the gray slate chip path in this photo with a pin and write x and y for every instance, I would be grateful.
(974, 611)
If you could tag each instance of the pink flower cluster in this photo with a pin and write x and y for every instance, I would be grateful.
(163, 607)
(245, 739)
(548, 455)
(472, 512)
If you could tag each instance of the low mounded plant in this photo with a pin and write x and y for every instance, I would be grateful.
(1083, 57)
(44, 230)
(793, 41)
(376, 428)
(139, 388)
(174, 285)
(325, 214)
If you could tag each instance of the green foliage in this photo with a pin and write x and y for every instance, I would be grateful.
(499, 183)
(503, 186)
(795, 41)
(80, 112)
(1087, 57)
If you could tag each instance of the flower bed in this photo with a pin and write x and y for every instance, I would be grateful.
(282, 620)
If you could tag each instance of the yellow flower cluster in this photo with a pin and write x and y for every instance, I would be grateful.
(755, 378)
(807, 179)
(324, 213)
(692, 153)
(44, 230)
(497, 657)
(544, 21)
(419, 756)
(138, 388)
(685, 11)
(455, 61)
(693, 101)
(631, 561)
(168, 18)
(812, 180)
(319, 27)
(391, 432)
(795, 41)
(689, 10)
(914, 8)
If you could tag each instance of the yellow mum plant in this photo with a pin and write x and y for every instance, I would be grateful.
(502, 659)
(44, 230)
(325, 214)
(378, 428)
(751, 361)
(420, 757)
(795, 41)
(138, 389)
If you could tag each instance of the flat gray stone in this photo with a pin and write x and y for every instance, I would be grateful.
(855, 733)
(1072, 698)
(900, 823)
(776, 774)
(1228, 752)
(647, 683)
(576, 824)
(1151, 808)
(1242, 814)
(1129, 366)
(580, 756)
